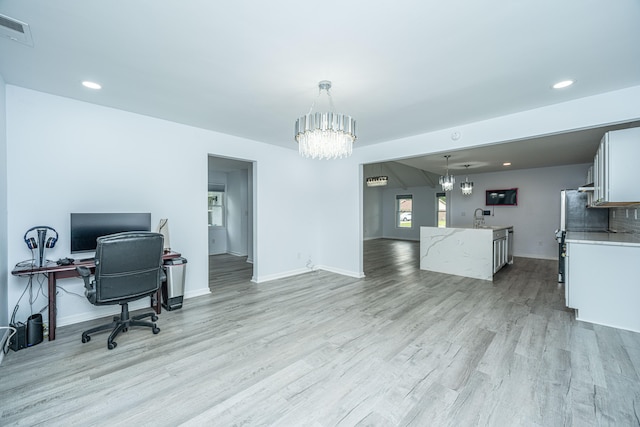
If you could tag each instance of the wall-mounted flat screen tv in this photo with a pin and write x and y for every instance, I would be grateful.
(507, 197)
(87, 227)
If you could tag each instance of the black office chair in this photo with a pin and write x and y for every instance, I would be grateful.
(128, 267)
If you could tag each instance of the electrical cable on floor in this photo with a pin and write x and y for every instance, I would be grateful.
(5, 345)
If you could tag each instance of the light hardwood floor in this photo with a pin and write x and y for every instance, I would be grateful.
(402, 347)
(228, 270)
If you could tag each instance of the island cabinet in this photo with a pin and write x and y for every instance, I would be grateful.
(502, 252)
(602, 278)
(470, 252)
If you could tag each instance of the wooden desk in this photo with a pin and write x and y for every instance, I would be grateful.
(55, 272)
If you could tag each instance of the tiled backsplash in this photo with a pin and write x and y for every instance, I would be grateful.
(624, 219)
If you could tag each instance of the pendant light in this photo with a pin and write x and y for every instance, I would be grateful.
(466, 186)
(447, 180)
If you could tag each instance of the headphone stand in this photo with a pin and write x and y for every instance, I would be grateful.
(42, 234)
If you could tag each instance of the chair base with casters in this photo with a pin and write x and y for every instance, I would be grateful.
(121, 324)
(128, 267)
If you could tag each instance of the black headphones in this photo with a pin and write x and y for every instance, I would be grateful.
(33, 244)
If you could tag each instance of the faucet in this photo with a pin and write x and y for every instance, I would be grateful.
(478, 220)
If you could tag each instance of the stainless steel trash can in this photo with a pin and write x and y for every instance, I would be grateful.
(173, 288)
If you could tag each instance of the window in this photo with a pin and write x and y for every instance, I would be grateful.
(404, 210)
(216, 208)
(441, 204)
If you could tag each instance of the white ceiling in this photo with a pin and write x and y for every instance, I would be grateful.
(250, 68)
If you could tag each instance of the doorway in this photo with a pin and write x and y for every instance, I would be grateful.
(230, 221)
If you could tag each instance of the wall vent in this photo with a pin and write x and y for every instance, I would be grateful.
(15, 30)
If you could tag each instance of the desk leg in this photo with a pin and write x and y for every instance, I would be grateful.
(52, 306)
(156, 303)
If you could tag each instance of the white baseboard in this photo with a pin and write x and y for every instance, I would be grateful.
(285, 274)
(236, 253)
(296, 272)
(341, 271)
(536, 257)
(197, 292)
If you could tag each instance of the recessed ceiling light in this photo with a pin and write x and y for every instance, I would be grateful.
(563, 84)
(506, 164)
(91, 85)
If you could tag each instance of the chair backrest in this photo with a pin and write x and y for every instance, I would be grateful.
(128, 266)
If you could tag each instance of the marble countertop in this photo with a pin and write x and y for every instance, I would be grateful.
(603, 238)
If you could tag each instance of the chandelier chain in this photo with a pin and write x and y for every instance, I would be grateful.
(320, 89)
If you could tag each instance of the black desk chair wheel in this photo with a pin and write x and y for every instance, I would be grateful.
(128, 268)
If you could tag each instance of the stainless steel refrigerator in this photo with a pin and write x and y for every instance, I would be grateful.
(576, 216)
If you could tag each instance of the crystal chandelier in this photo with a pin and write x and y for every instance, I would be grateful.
(377, 181)
(467, 186)
(447, 181)
(325, 135)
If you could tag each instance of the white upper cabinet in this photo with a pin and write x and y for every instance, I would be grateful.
(614, 169)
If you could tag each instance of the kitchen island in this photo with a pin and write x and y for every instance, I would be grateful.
(471, 252)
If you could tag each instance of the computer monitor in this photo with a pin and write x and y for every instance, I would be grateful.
(87, 227)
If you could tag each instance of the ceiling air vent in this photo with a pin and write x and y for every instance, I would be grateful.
(15, 30)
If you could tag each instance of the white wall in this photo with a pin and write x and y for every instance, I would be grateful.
(237, 212)
(424, 212)
(372, 212)
(4, 270)
(67, 156)
(218, 241)
(537, 215)
(337, 222)
(250, 219)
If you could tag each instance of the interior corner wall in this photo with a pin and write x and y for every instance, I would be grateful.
(336, 191)
(238, 215)
(4, 269)
(218, 241)
(250, 210)
(372, 212)
(88, 158)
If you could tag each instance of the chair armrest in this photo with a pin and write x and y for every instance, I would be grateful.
(89, 290)
(85, 273)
